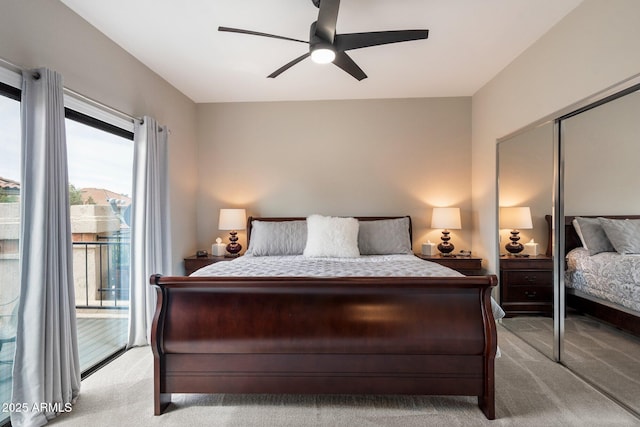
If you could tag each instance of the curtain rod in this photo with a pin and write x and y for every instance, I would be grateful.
(19, 69)
(100, 105)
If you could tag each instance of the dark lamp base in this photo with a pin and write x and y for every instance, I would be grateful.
(514, 247)
(445, 247)
(233, 247)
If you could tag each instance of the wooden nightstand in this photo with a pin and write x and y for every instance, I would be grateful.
(526, 285)
(193, 263)
(466, 265)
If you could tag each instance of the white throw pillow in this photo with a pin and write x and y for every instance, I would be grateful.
(332, 237)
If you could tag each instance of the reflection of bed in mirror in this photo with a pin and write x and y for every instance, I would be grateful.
(605, 285)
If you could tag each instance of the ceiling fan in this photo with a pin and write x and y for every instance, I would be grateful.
(326, 46)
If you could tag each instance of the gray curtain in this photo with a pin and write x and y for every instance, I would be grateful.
(46, 371)
(150, 242)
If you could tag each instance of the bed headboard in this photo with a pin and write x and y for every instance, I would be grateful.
(359, 218)
(571, 239)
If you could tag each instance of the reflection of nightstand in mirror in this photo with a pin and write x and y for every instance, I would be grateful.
(194, 263)
(526, 285)
(469, 266)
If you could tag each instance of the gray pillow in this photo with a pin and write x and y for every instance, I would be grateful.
(594, 236)
(269, 238)
(384, 236)
(624, 234)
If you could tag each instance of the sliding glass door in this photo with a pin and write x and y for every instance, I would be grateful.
(100, 177)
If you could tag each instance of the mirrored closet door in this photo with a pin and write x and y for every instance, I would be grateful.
(525, 184)
(578, 300)
(601, 150)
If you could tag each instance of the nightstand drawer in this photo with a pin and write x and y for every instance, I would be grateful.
(529, 277)
(528, 293)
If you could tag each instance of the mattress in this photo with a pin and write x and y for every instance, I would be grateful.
(609, 276)
(363, 266)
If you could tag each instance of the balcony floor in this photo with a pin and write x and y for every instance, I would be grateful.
(99, 337)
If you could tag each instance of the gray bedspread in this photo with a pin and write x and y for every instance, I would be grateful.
(364, 266)
(608, 275)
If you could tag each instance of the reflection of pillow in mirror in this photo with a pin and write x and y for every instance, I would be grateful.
(332, 237)
(576, 226)
(624, 234)
(384, 237)
(269, 238)
(594, 236)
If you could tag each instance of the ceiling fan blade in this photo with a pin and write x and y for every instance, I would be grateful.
(327, 18)
(345, 62)
(375, 38)
(285, 67)
(256, 33)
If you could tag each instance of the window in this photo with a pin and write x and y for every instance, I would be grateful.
(9, 233)
(100, 158)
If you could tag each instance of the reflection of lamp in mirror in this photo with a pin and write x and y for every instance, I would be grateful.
(515, 218)
(233, 220)
(446, 218)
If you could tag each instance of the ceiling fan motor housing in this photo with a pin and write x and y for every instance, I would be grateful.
(316, 42)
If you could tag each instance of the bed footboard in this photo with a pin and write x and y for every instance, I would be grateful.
(378, 335)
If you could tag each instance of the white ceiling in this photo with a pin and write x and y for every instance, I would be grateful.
(469, 42)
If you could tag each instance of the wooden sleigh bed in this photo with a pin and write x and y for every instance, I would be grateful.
(316, 335)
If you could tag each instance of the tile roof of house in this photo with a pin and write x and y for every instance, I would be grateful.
(9, 187)
(6, 183)
(101, 196)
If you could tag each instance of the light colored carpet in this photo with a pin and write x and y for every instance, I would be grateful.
(531, 391)
(596, 351)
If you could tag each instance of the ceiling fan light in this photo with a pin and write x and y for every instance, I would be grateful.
(323, 55)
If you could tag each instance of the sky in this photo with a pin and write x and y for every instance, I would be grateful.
(96, 158)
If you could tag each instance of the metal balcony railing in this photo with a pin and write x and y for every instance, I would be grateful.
(102, 273)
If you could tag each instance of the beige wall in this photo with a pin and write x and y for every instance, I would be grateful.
(601, 159)
(368, 157)
(35, 33)
(592, 48)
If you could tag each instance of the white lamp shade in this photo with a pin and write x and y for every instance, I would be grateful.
(448, 218)
(518, 217)
(232, 219)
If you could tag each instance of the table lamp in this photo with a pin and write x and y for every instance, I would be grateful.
(515, 218)
(233, 220)
(446, 218)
